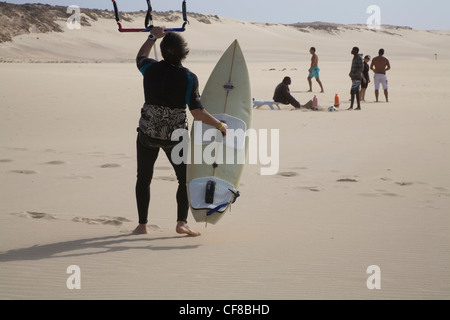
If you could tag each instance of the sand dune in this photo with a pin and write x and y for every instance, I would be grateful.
(353, 189)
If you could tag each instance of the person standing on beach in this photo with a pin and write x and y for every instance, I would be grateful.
(356, 74)
(283, 95)
(366, 78)
(168, 89)
(314, 70)
(379, 66)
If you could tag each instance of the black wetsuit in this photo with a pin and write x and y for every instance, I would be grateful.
(171, 87)
(366, 75)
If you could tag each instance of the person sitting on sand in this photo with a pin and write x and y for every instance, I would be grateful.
(379, 66)
(283, 95)
(314, 70)
(168, 88)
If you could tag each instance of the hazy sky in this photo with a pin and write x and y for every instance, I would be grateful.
(423, 14)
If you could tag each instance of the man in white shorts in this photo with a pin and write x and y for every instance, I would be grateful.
(379, 66)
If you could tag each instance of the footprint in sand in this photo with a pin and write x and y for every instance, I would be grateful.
(110, 165)
(105, 220)
(380, 194)
(301, 168)
(288, 174)
(347, 180)
(78, 176)
(443, 192)
(313, 189)
(390, 194)
(24, 171)
(402, 183)
(55, 162)
(35, 215)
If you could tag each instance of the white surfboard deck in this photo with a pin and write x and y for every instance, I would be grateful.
(227, 96)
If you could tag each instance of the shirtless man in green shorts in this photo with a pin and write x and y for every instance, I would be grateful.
(314, 70)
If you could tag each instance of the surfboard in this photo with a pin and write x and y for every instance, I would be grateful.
(216, 162)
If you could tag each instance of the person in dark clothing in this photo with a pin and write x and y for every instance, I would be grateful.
(356, 74)
(366, 78)
(168, 89)
(283, 95)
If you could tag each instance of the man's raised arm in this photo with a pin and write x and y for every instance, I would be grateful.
(144, 51)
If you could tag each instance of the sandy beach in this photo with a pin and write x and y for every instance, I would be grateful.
(353, 189)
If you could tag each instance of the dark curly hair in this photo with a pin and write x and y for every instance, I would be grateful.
(174, 48)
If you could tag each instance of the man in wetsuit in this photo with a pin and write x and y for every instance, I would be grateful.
(169, 88)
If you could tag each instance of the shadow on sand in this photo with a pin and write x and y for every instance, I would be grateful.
(90, 246)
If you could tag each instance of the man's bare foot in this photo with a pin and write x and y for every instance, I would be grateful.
(309, 90)
(140, 229)
(322, 91)
(183, 228)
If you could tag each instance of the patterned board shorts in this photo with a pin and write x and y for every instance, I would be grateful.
(159, 122)
(356, 84)
(314, 73)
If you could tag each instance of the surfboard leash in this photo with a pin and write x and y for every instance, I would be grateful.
(224, 205)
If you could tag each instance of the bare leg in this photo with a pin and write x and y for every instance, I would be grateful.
(363, 94)
(386, 95)
(376, 95)
(320, 84)
(352, 99)
(358, 101)
(183, 228)
(310, 84)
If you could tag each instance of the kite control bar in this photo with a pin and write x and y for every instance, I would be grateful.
(149, 20)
